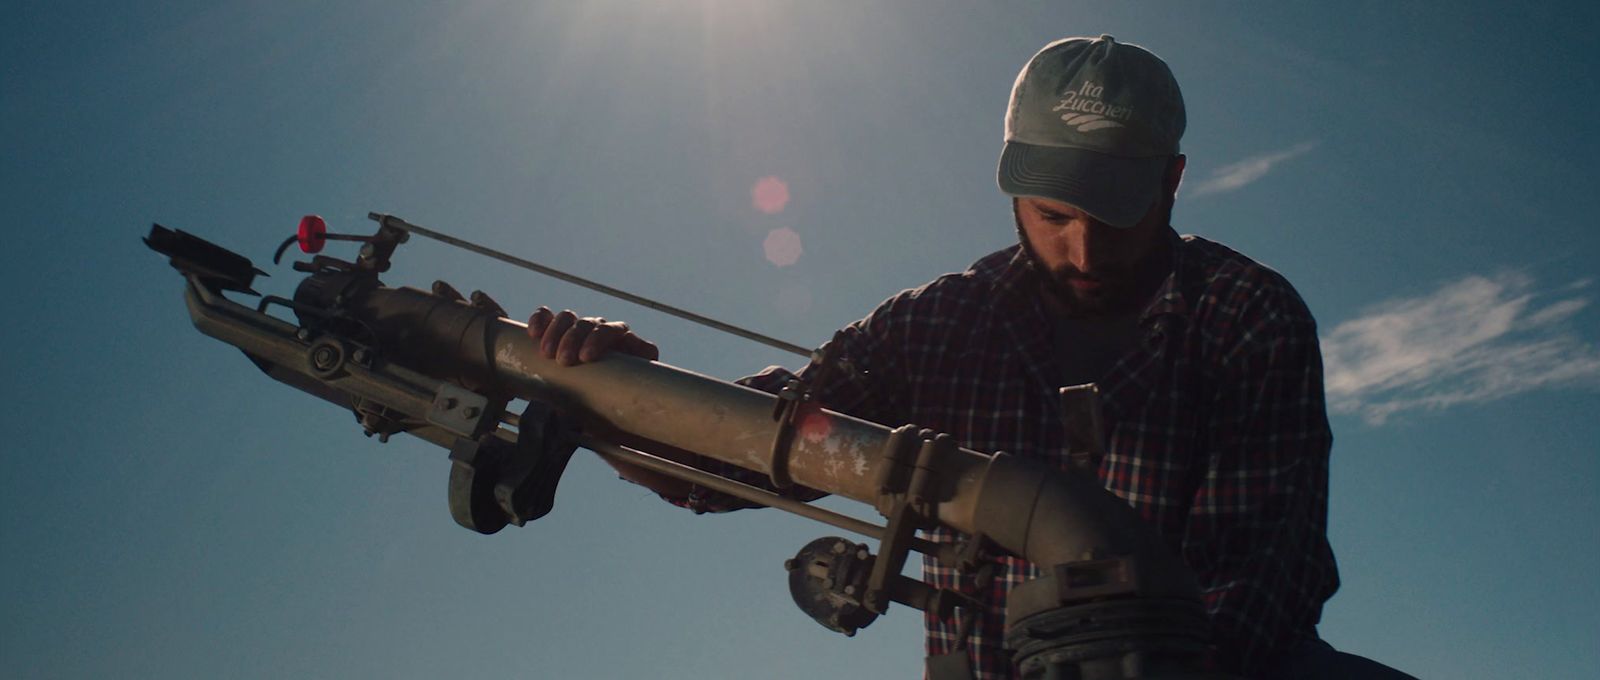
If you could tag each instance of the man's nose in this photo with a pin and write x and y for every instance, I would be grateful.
(1085, 247)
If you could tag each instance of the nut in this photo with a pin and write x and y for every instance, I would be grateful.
(324, 358)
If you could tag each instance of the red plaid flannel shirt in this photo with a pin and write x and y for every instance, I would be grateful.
(1216, 428)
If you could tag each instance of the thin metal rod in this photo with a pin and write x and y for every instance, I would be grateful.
(747, 492)
(391, 220)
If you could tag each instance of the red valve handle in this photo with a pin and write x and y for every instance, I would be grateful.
(313, 234)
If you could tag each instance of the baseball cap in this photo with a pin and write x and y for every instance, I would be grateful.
(1092, 123)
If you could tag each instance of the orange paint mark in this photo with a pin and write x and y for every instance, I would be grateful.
(815, 425)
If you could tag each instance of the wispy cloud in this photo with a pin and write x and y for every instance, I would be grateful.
(1474, 340)
(1235, 175)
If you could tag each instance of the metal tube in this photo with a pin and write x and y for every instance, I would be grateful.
(1045, 515)
(744, 491)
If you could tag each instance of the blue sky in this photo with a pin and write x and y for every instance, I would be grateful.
(167, 511)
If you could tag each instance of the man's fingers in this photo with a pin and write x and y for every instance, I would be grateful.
(559, 325)
(481, 300)
(639, 347)
(605, 337)
(615, 336)
(446, 291)
(539, 321)
(478, 299)
(572, 341)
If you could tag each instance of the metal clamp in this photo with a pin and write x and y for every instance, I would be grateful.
(792, 399)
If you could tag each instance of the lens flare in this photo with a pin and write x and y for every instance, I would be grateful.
(770, 195)
(782, 246)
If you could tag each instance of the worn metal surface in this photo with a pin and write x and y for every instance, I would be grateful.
(1046, 516)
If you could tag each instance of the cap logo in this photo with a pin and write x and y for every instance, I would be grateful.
(1087, 112)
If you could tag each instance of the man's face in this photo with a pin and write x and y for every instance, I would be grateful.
(1094, 269)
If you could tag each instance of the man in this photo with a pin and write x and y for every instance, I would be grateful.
(1208, 363)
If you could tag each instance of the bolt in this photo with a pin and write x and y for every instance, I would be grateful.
(469, 412)
(325, 358)
(849, 590)
(303, 334)
(450, 403)
(360, 356)
(862, 554)
(838, 548)
(788, 565)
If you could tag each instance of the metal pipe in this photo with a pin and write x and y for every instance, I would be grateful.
(1042, 514)
(754, 495)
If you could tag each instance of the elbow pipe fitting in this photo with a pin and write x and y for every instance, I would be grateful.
(1052, 517)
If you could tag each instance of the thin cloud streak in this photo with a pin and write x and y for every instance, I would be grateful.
(1236, 175)
(1474, 340)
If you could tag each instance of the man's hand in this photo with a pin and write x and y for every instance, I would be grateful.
(571, 340)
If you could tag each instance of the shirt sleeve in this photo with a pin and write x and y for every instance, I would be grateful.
(863, 385)
(1258, 532)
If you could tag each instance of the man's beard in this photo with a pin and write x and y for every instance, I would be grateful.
(1121, 291)
(1058, 285)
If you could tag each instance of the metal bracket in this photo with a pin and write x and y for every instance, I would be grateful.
(208, 262)
(842, 585)
(830, 580)
(1080, 414)
(494, 483)
(461, 411)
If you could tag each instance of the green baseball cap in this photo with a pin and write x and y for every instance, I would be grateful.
(1092, 123)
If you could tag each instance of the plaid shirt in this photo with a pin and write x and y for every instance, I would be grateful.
(1215, 423)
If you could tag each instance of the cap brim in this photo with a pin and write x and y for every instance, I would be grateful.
(1115, 190)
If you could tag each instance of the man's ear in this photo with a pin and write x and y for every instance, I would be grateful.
(1174, 175)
